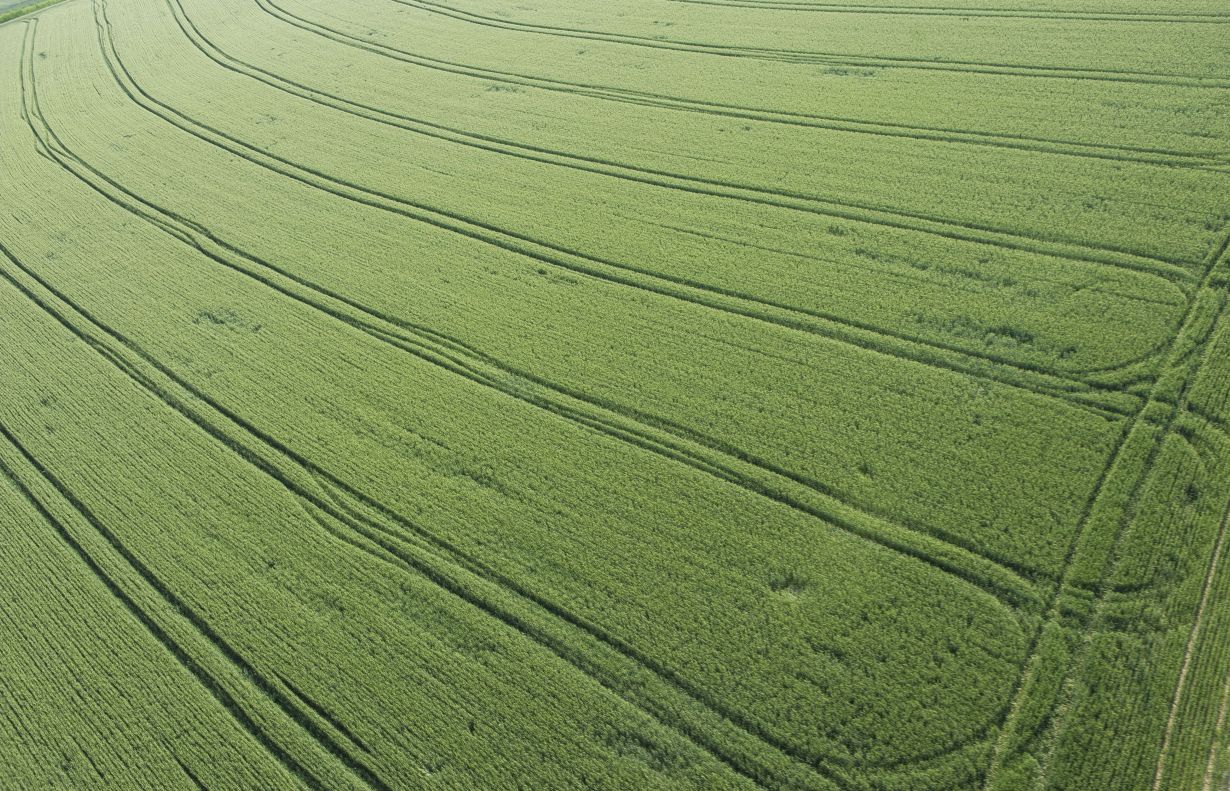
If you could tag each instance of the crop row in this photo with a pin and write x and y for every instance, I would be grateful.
(421, 407)
(77, 663)
(948, 354)
(1092, 15)
(1131, 120)
(1124, 629)
(1087, 213)
(569, 372)
(492, 516)
(1047, 51)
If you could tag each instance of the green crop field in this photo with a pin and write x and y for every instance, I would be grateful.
(643, 394)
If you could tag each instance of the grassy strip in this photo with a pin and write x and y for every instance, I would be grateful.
(28, 8)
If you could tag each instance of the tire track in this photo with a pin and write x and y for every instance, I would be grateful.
(711, 187)
(626, 424)
(323, 479)
(1211, 765)
(1194, 358)
(680, 444)
(496, 145)
(1140, 478)
(391, 537)
(824, 58)
(361, 507)
(303, 480)
(759, 314)
(1014, 13)
(912, 278)
(1109, 151)
(216, 689)
(188, 773)
(267, 688)
(1189, 650)
(1173, 270)
(1077, 392)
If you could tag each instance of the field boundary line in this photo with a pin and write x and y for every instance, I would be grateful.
(21, 12)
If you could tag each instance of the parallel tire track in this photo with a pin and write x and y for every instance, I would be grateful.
(315, 489)
(963, 13)
(1070, 249)
(272, 691)
(1139, 480)
(712, 187)
(617, 170)
(1189, 650)
(216, 689)
(822, 58)
(765, 310)
(328, 501)
(1111, 151)
(1216, 747)
(290, 481)
(1086, 395)
(648, 432)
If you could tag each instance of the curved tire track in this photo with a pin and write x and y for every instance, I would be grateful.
(1109, 151)
(626, 424)
(1140, 478)
(824, 58)
(615, 170)
(993, 13)
(324, 479)
(944, 227)
(247, 454)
